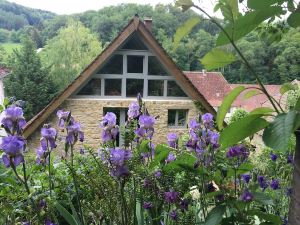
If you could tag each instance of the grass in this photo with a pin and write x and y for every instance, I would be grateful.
(9, 47)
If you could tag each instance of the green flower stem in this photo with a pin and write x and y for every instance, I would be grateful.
(264, 90)
(76, 185)
(50, 178)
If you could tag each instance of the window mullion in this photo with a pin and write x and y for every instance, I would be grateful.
(176, 118)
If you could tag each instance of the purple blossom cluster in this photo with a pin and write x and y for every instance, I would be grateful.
(239, 152)
(109, 127)
(203, 140)
(172, 140)
(115, 159)
(145, 129)
(13, 144)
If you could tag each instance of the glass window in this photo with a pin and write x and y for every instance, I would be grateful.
(93, 87)
(155, 67)
(174, 90)
(177, 117)
(134, 86)
(171, 117)
(135, 64)
(113, 87)
(113, 66)
(155, 87)
(135, 43)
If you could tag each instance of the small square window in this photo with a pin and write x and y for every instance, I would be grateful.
(174, 90)
(134, 86)
(155, 88)
(135, 64)
(93, 87)
(177, 117)
(113, 66)
(113, 87)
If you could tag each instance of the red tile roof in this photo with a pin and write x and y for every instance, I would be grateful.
(214, 87)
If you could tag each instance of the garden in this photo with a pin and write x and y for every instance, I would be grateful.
(213, 174)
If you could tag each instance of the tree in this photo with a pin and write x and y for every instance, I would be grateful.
(69, 52)
(28, 81)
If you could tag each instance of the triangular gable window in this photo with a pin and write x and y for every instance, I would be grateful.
(113, 66)
(134, 43)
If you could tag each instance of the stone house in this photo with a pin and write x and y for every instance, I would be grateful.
(133, 63)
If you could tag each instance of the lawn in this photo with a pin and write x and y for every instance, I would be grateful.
(10, 46)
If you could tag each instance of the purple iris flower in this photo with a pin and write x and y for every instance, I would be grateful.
(275, 184)
(157, 173)
(184, 204)
(246, 178)
(262, 182)
(109, 120)
(74, 133)
(273, 157)
(290, 159)
(171, 196)
(146, 121)
(13, 118)
(48, 137)
(171, 157)
(26, 223)
(133, 110)
(173, 215)
(41, 156)
(13, 147)
(118, 156)
(207, 120)
(49, 222)
(238, 151)
(193, 124)
(147, 205)
(172, 140)
(62, 118)
(246, 196)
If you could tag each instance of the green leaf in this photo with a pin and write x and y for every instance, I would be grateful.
(184, 4)
(217, 58)
(184, 162)
(278, 133)
(294, 19)
(161, 153)
(262, 110)
(265, 216)
(65, 214)
(215, 216)
(263, 198)
(144, 146)
(139, 213)
(297, 105)
(251, 93)
(226, 104)
(241, 129)
(288, 87)
(260, 4)
(184, 30)
(246, 23)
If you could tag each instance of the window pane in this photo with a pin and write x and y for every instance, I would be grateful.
(134, 86)
(171, 117)
(113, 66)
(182, 117)
(135, 64)
(113, 87)
(155, 67)
(155, 87)
(174, 90)
(135, 43)
(93, 87)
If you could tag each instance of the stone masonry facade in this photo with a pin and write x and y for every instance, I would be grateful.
(89, 113)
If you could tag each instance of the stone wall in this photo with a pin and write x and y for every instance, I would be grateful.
(89, 113)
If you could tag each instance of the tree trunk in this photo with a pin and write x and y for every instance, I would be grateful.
(294, 210)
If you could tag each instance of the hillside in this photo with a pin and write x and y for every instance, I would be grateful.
(15, 17)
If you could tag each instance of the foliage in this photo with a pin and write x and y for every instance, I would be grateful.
(69, 53)
(28, 80)
(237, 115)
